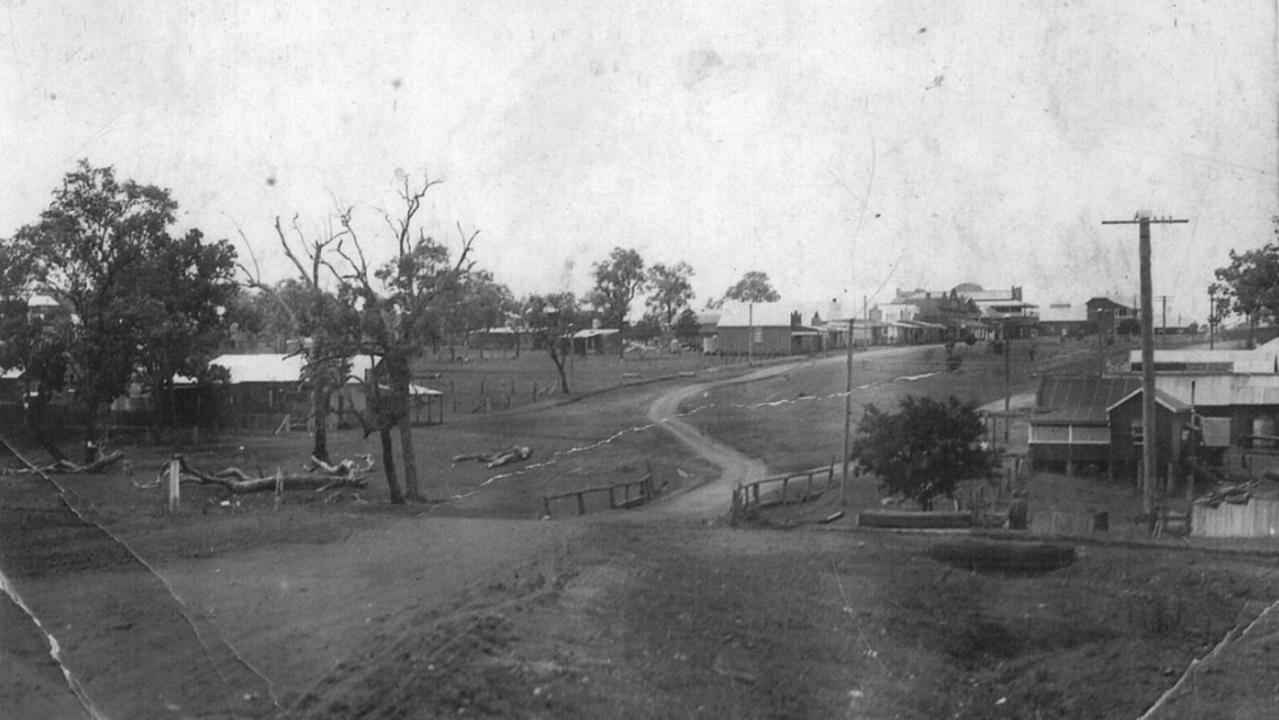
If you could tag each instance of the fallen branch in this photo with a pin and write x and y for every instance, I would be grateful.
(498, 458)
(66, 467)
(234, 480)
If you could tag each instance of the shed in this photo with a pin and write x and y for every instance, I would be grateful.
(1071, 425)
(1172, 417)
(597, 341)
(1063, 319)
(1248, 511)
(271, 384)
(1242, 406)
(263, 382)
(765, 329)
(498, 338)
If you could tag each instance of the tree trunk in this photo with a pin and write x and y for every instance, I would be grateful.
(559, 366)
(398, 374)
(388, 466)
(90, 431)
(320, 414)
(413, 492)
(38, 423)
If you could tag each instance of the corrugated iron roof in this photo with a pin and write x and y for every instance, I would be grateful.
(263, 367)
(760, 315)
(1217, 390)
(1161, 398)
(1068, 313)
(279, 367)
(595, 332)
(1079, 399)
(1264, 359)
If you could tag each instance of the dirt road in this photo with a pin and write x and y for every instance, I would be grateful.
(710, 500)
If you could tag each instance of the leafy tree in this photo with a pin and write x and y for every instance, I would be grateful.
(479, 304)
(687, 328)
(551, 319)
(618, 280)
(647, 328)
(103, 250)
(190, 285)
(925, 449)
(671, 291)
(754, 287)
(1249, 285)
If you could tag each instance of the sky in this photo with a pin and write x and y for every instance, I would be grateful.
(846, 149)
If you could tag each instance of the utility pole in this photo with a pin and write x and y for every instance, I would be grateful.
(1212, 317)
(1101, 338)
(1143, 222)
(1008, 354)
(848, 415)
(1164, 299)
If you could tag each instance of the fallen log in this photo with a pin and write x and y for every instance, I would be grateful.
(66, 467)
(498, 458)
(234, 480)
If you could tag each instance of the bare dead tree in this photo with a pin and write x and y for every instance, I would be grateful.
(401, 303)
(315, 317)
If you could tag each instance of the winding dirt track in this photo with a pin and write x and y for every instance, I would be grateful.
(711, 499)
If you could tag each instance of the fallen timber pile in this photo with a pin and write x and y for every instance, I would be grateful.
(319, 476)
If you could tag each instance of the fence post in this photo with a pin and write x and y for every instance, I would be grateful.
(175, 478)
(581, 504)
(785, 484)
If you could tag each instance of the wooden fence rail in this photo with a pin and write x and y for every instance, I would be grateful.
(796, 487)
(632, 494)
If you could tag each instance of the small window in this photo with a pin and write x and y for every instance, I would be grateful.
(759, 335)
(1138, 432)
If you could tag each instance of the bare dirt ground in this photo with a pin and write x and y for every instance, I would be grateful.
(355, 610)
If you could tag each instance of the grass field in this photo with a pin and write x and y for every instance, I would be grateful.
(468, 606)
(796, 421)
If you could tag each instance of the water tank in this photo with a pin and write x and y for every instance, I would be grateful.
(1264, 425)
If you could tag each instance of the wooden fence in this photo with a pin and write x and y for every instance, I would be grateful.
(1257, 518)
(632, 494)
(798, 487)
